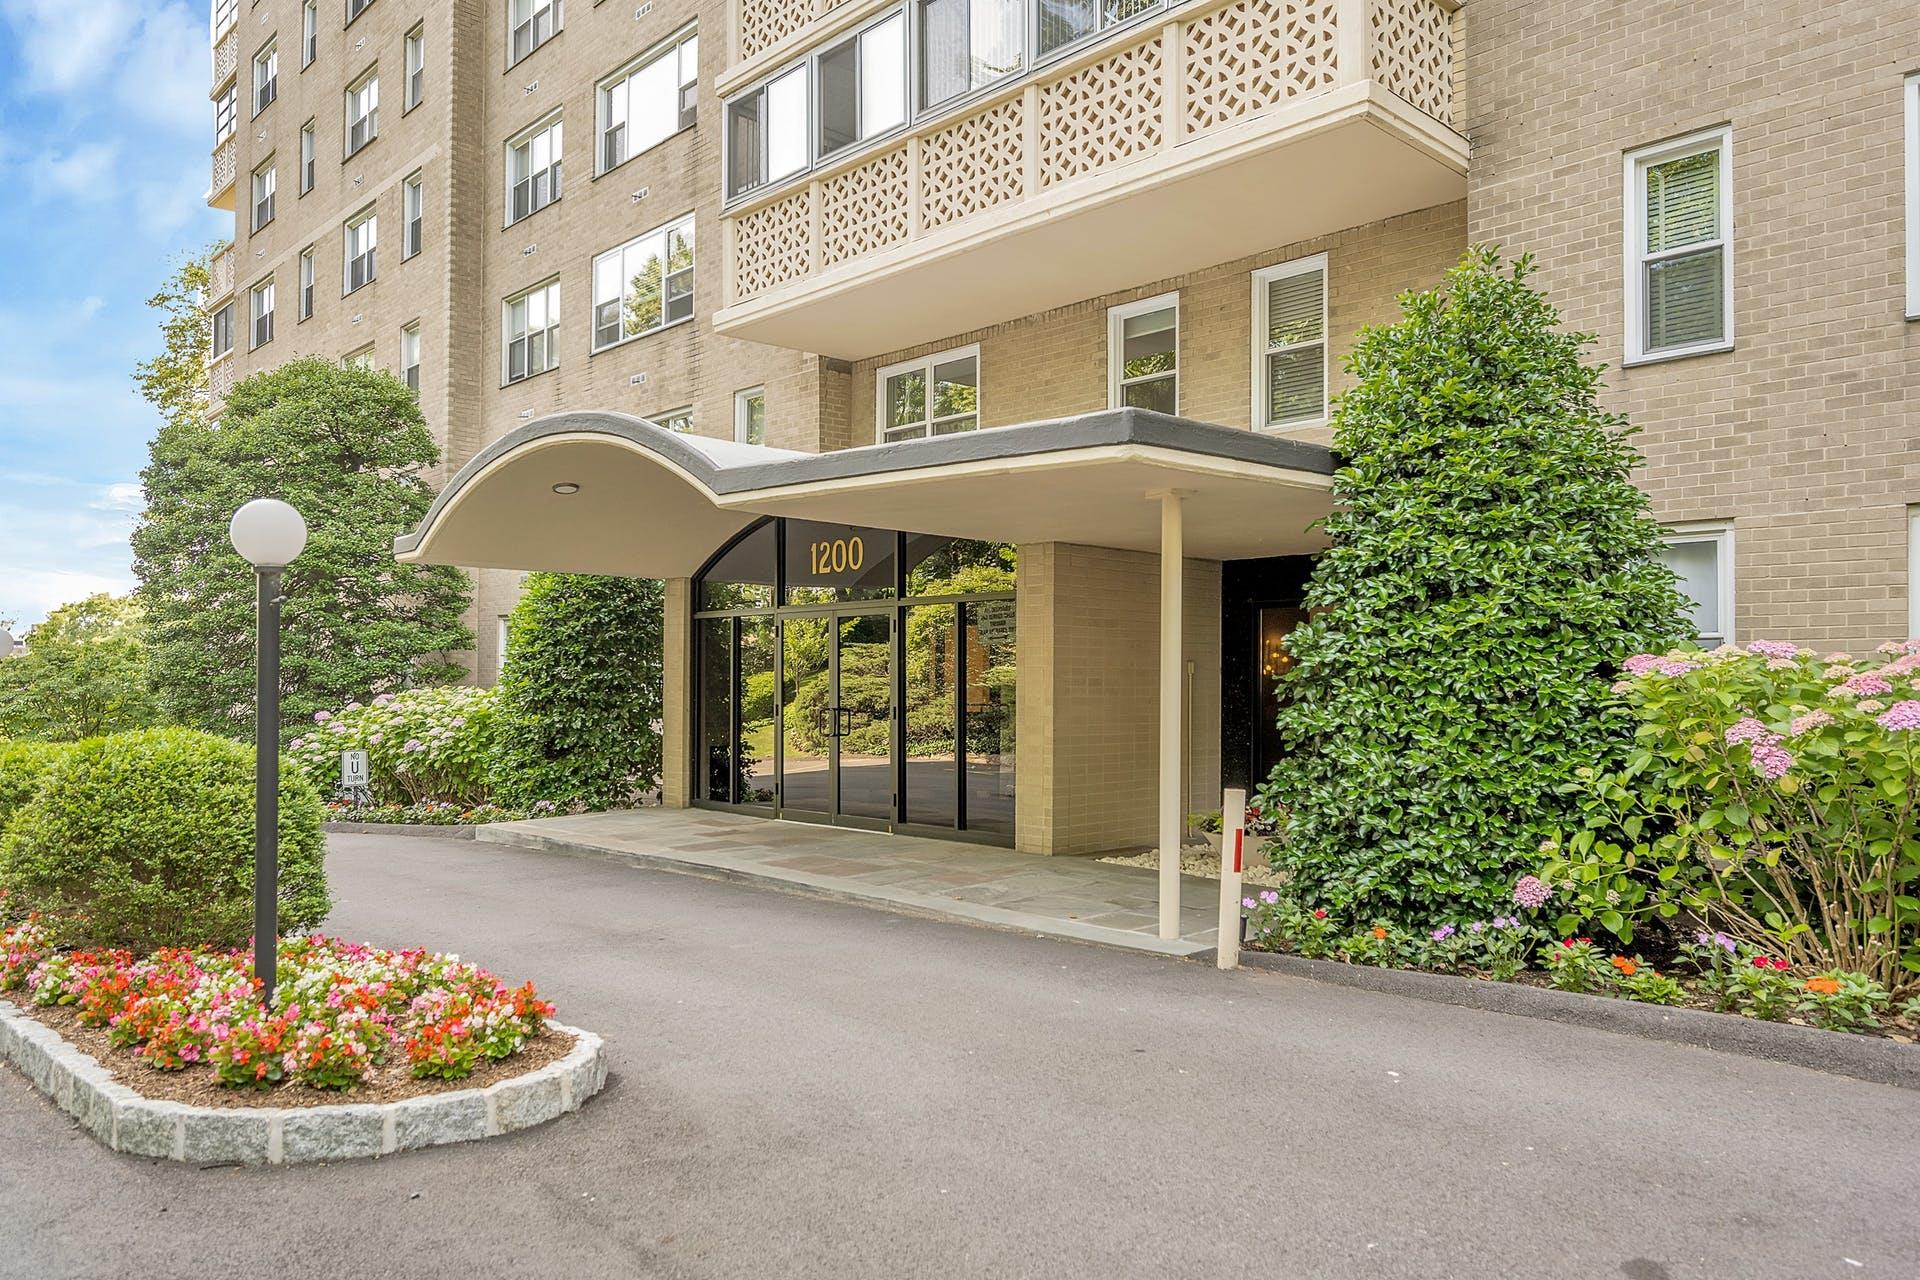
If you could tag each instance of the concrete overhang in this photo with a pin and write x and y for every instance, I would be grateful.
(653, 503)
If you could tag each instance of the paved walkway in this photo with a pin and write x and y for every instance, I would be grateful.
(1064, 897)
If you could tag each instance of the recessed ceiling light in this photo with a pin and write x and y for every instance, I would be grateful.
(566, 487)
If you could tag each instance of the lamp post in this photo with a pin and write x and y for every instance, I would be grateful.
(268, 534)
(6, 643)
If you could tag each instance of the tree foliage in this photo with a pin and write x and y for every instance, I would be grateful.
(578, 712)
(1491, 564)
(349, 449)
(175, 380)
(84, 673)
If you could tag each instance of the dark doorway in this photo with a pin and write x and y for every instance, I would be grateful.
(1260, 604)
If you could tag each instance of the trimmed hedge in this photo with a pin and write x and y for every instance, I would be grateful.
(145, 840)
(23, 767)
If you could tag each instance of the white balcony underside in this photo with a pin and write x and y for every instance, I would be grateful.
(1345, 158)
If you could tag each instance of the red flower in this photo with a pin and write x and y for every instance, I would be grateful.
(1319, 913)
(1761, 962)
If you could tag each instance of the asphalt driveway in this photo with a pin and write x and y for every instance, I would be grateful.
(810, 1088)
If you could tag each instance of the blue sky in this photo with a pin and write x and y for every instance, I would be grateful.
(105, 132)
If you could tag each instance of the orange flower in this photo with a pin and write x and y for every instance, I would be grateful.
(1824, 986)
(1626, 967)
(1378, 932)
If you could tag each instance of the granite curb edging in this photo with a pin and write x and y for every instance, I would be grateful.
(1866, 1058)
(450, 831)
(125, 1121)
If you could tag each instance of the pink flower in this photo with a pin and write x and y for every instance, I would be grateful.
(1900, 717)
(1531, 892)
(1750, 730)
(1809, 722)
(1776, 664)
(1675, 666)
(1868, 706)
(1838, 657)
(321, 717)
(1770, 761)
(1774, 649)
(1640, 663)
(1863, 685)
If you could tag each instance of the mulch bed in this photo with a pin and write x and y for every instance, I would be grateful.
(197, 1087)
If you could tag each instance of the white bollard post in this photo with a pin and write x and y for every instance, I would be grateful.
(1233, 847)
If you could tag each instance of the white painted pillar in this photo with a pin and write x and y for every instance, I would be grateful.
(1233, 834)
(1172, 574)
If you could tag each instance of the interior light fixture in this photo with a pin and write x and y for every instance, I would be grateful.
(566, 487)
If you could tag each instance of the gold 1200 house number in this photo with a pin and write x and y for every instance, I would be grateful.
(838, 556)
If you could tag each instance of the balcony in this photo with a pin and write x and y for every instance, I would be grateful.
(220, 277)
(760, 25)
(226, 59)
(1232, 127)
(226, 163)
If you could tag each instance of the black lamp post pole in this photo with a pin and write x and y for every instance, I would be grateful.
(266, 786)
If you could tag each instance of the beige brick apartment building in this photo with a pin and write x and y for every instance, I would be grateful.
(1138, 237)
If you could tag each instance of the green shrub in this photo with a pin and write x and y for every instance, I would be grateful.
(578, 716)
(145, 839)
(1491, 563)
(23, 767)
(423, 745)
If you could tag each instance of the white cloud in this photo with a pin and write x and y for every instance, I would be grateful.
(165, 75)
(69, 43)
(27, 595)
(125, 496)
(84, 174)
(152, 56)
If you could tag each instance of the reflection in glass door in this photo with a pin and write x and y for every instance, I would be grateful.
(837, 718)
(806, 717)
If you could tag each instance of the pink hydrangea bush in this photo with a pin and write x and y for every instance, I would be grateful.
(341, 1010)
(1772, 797)
(422, 744)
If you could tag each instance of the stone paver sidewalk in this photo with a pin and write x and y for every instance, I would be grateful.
(1065, 897)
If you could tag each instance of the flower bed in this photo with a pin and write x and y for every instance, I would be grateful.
(1712, 972)
(436, 813)
(350, 1022)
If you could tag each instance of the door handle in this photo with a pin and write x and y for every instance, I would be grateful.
(843, 721)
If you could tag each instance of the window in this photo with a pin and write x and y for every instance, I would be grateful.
(680, 420)
(307, 158)
(263, 185)
(965, 44)
(410, 357)
(1701, 556)
(356, 7)
(863, 85)
(1063, 22)
(224, 13)
(412, 219)
(1143, 354)
(533, 170)
(306, 283)
(532, 326)
(226, 112)
(1913, 571)
(934, 395)
(266, 78)
(750, 416)
(1679, 248)
(220, 340)
(361, 358)
(416, 87)
(533, 23)
(363, 111)
(1913, 202)
(362, 239)
(261, 299)
(500, 645)
(650, 100)
(309, 34)
(767, 132)
(1290, 343)
(644, 285)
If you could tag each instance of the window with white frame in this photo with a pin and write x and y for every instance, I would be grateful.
(935, 395)
(305, 302)
(500, 644)
(220, 339)
(359, 358)
(644, 285)
(1290, 343)
(308, 159)
(679, 420)
(224, 13)
(1913, 572)
(226, 113)
(1066, 22)
(1679, 237)
(531, 24)
(410, 356)
(260, 298)
(361, 241)
(266, 77)
(309, 33)
(767, 131)
(363, 111)
(533, 170)
(356, 7)
(1913, 201)
(412, 216)
(750, 415)
(649, 100)
(967, 44)
(531, 324)
(1143, 354)
(415, 90)
(863, 84)
(264, 183)
(1701, 557)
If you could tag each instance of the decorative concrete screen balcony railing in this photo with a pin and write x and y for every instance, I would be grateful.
(226, 58)
(220, 381)
(226, 163)
(761, 24)
(1231, 128)
(220, 276)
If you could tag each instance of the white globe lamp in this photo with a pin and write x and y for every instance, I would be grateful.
(268, 533)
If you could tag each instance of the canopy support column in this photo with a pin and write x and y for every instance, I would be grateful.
(1172, 610)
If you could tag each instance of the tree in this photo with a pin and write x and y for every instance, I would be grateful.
(84, 673)
(175, 381)
(577, 720)
(1491, 564)
(349, 449)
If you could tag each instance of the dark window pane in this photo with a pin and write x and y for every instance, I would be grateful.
(932, 679)
(939, 566)
(716, 708)
(839, 97)
(743, 578)
(990, 716)
(756, 701)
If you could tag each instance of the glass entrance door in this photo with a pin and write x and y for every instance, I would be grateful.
(837, 735)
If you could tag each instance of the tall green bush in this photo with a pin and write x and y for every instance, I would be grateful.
(23, 767)
(145, 839)
(577, 720)
(1491, 564)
